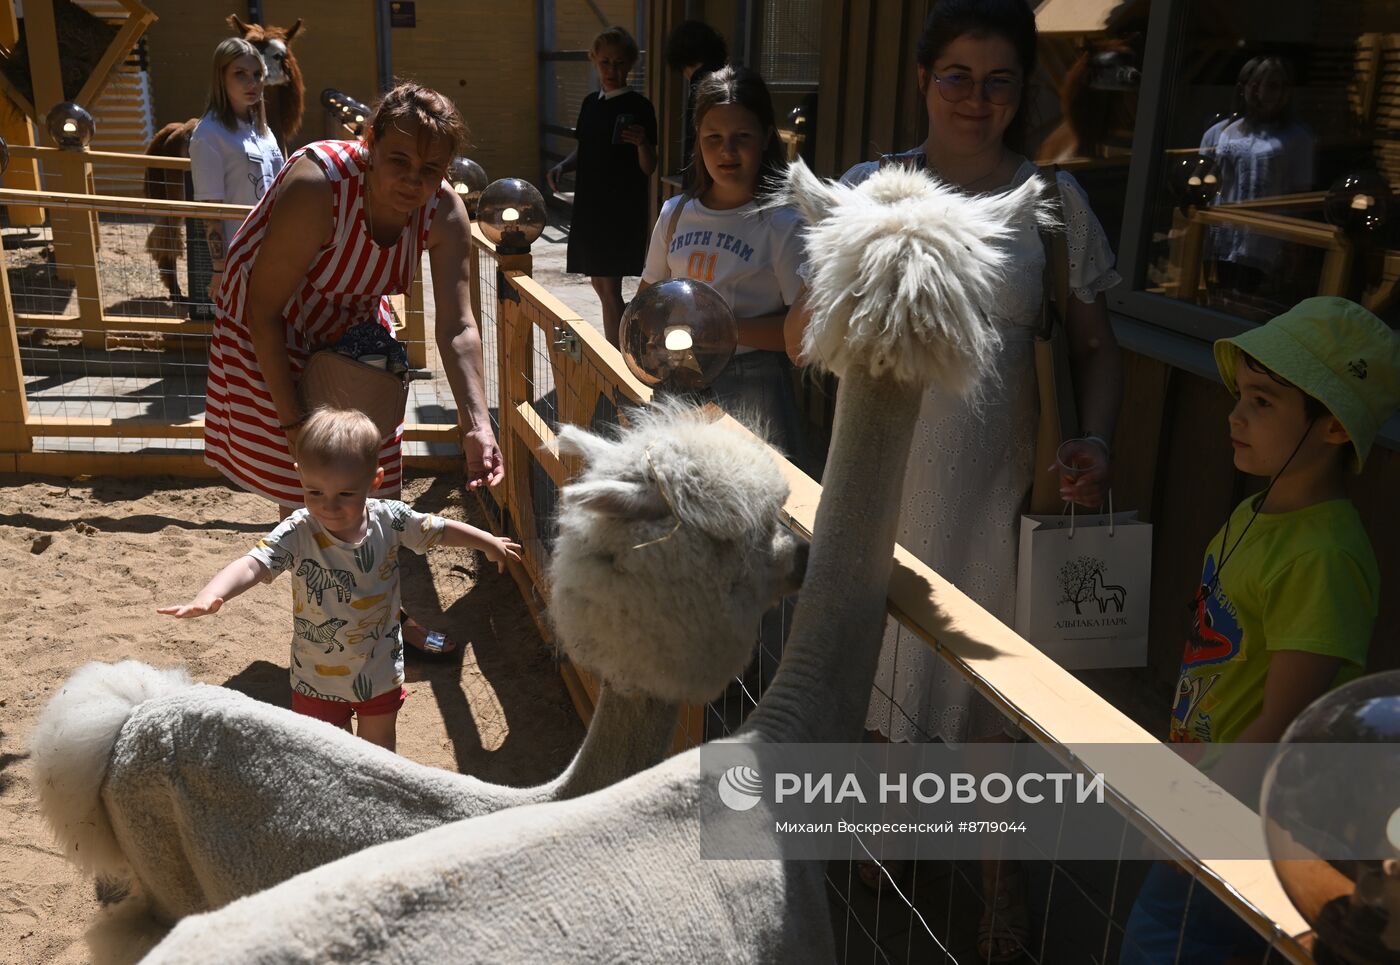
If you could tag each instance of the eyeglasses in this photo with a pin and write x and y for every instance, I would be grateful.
(998, 89)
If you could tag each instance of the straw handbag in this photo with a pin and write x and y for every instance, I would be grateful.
(1058, 416)
(336, 380)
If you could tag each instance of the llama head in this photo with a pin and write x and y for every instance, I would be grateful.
(670, 549)
(900, 267)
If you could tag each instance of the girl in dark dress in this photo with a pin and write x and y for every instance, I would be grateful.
(615, 157)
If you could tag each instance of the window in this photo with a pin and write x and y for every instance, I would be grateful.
(1279, 139)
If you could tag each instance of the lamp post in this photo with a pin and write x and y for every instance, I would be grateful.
(1331, 814)
(677, 336)
(70, 126)
(468, 179)
(511, 214)
(344, 110)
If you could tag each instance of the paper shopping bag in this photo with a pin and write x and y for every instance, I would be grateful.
(1083, 588)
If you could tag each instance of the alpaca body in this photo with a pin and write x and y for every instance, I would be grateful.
(206, 795)
(525, 883)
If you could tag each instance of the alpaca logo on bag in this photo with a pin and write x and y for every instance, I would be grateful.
(1083, 586)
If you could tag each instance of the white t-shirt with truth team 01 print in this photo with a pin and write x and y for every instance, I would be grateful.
(347, 644)
(750, 257)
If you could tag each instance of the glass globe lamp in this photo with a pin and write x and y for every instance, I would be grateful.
(468, 179)
(797, 118)
(70, 126)
(511, 214)
(1194, 180)
(348, 112)
(678, 335)
(1332, 819)
(1359, 203)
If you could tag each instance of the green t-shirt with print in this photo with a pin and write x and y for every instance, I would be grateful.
(1303, 580)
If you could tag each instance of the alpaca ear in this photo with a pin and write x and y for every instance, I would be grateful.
(588, 446)
(809, 194)
(619, 500)
(294, 31)
(236, 25)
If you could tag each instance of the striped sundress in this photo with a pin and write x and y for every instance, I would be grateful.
(346, 284)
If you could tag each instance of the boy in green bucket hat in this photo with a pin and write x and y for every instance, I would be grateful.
(1290, 588)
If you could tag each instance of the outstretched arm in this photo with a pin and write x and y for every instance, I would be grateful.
(239, 576)
(459, 339)
(497, 550)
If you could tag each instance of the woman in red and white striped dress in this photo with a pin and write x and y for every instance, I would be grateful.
(343, 225)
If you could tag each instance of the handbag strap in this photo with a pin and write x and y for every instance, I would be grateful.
(1054, 289)
(671, 227)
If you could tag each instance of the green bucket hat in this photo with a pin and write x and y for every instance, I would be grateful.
(1335, 351)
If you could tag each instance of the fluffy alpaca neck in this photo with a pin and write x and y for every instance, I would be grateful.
(822, 688)
(628, 734)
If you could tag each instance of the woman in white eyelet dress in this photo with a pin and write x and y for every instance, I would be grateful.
(968, 476)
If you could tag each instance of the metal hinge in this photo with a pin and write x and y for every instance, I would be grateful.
(568, 342)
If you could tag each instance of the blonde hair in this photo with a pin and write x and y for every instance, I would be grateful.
(619, 38)
(225, 54)
(339, 436)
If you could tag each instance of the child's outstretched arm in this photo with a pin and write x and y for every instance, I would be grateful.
(497, 550)
(232, 580)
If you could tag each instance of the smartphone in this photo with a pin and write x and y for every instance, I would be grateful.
(623, 122)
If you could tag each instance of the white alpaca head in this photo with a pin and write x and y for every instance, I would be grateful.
(901, 266)
(656, 608)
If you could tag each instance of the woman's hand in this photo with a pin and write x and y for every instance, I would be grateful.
(292, 433)
(1085, 483)
(552, 177)
(484, 463)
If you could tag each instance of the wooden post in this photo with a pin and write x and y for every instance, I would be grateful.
(14, 404)
(16, 130)
(414, 333)
(514, 344)
(74, 241)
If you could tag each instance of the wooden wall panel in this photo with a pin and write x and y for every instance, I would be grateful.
(336, 48)
(482, 55)
(180, 46)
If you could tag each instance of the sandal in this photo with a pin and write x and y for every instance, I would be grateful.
(434, 643)
(1004, 933)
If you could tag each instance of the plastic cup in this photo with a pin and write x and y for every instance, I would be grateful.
(377, 361)
(1075, 457)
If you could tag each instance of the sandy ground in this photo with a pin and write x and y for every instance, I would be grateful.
(86, 564)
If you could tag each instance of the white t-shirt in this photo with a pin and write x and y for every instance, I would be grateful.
(750, 257)
(232, 167)
(345, 598)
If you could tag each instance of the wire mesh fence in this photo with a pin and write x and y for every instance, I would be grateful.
(949, 905)
(112, 313)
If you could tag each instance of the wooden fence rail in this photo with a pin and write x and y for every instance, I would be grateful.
(531, 333)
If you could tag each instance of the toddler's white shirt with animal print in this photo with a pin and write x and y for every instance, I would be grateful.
(347, 644)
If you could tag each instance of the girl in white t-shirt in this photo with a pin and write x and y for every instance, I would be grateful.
(715, 233)
(233, 155)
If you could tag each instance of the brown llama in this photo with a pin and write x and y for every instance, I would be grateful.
(283, 98)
